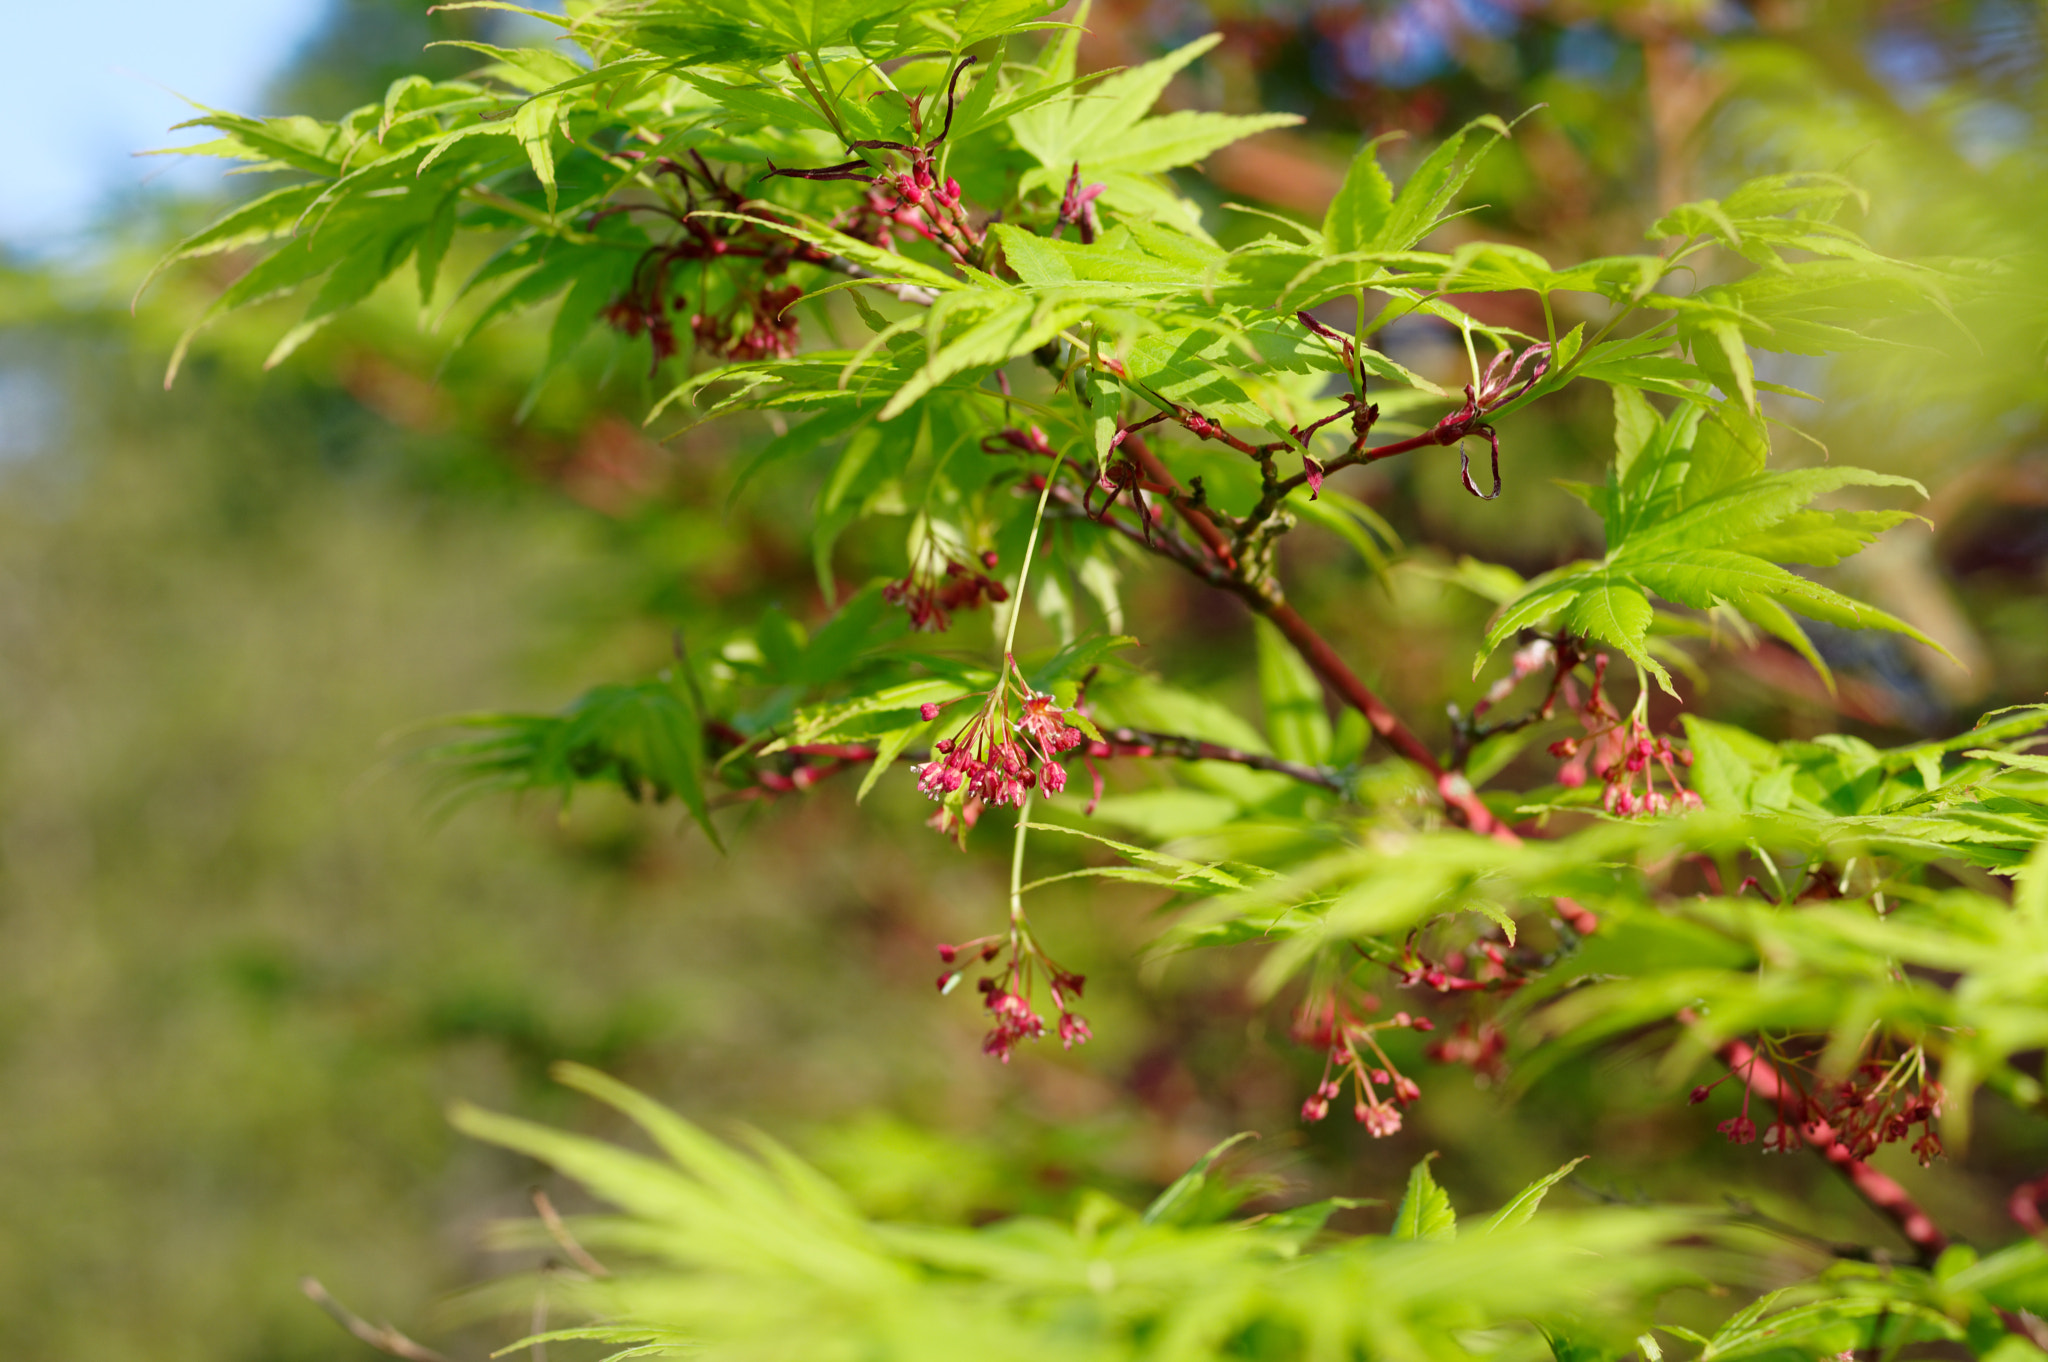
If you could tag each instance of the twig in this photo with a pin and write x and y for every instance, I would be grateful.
(1137, 742)
(382, 1337)
(559, 1232)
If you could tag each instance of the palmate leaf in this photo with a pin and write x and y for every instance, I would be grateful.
(1693, 519)
(1106, 131)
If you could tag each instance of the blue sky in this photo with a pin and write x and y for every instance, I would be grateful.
(91, 82)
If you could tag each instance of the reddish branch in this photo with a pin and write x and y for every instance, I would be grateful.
(1456, 791)
(1880, 1192)
(1135, 742)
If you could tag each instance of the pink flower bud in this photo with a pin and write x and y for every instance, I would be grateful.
(928, 711)
(1700, 1093)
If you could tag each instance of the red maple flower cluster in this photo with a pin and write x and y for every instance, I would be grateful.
(764, 328)
(1379, 1087)
(757, 323)
(1871, 1108)
(1007, 996)
(1622, 753)
(1880, 1102)
(915, 201)
(769, 331)
(990, 758)
(931, 596)
(908, 194)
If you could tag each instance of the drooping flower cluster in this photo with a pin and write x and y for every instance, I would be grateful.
(1873, 1107)
(1007, 996)
(931, 595)
(1880, 1102)
(769, 330)
(754, 322)
(1622, 753)
(761, 327)
(1379, 1088)
(990, 758)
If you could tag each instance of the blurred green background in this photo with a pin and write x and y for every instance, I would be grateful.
(246, 959)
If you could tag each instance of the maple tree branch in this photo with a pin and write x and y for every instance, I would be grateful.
(1138, 742)
(1455, 790)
